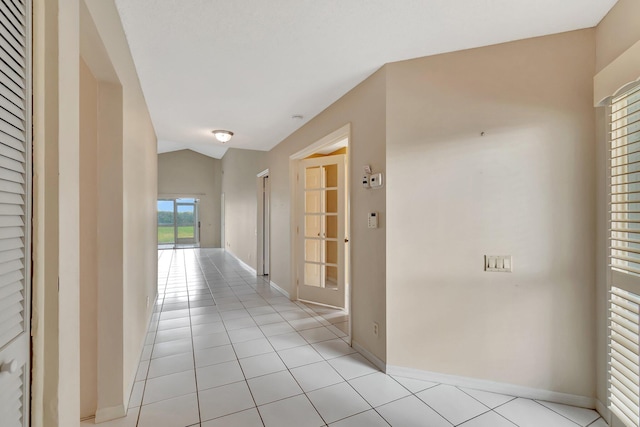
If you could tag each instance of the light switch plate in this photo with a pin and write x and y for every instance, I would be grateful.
(498, 263)
(376, 180)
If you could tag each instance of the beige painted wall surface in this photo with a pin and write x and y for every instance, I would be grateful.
(239, 185)
(524, 189)
(111, 295)
(88, 242)
(617, 32)
(364, 108)
(139, 192)
(191, 174)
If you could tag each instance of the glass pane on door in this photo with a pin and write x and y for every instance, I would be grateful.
(320, 198)
(166, 222)
(186, 212)
(186, 222)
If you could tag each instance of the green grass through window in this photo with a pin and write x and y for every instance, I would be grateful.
(165, 233)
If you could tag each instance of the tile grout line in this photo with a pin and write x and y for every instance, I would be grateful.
(237, 361)
(193, 349)
(277, 353)
(555, 412)
(146, 377)
(490, 409)
(287, 370)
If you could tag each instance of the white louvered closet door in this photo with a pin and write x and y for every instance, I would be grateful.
(15, 200)
(624, 255)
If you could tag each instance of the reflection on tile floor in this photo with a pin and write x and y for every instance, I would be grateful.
(225, 349)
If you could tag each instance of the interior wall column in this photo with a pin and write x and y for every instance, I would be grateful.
(111, 396)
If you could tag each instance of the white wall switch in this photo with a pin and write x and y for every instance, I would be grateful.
(498, 263)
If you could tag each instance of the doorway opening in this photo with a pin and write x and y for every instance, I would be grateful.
(320, 258)
(178, 223)
(263, 228)
(223, 238)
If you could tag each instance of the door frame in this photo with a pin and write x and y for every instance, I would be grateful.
(196, 203)
(327, 141)
(223, 237)
(263, 226)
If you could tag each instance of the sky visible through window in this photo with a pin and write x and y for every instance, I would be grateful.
(167, 205)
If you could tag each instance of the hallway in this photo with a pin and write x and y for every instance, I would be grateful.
(225, 349)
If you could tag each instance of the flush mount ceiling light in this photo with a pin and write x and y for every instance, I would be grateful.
(222, 135)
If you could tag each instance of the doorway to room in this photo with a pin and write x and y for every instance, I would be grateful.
(178, 223)
(263, 229)
(320, 232)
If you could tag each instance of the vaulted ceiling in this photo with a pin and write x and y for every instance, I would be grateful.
(248, 66)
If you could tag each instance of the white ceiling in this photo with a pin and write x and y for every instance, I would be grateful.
(249, 65)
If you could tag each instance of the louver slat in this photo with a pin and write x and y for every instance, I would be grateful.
(15, 193)
(624, 355)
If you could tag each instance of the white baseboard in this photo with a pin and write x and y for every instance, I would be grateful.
(279, 289)
(380, 364)
(247, 266)
(603, 411)
(127, 397)
(111, 413)
(244, 264)
(494, 387)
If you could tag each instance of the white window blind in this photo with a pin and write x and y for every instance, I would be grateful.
(625, 183)
(15, 135)
(624, 255)
(624, 385)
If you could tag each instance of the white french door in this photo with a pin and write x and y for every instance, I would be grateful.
(322, 228)
(15, 204)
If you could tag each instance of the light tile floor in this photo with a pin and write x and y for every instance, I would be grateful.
(225, 349)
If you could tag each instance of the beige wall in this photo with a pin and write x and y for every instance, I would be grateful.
(617, 32)
(88, 242)
(363, 107)
(139, 192)
(111, 294)
(524, 189)
(239, 185)
(59, 204)
(187, 173)
(615, 35)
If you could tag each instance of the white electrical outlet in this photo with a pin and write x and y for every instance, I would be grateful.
(498, 263)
